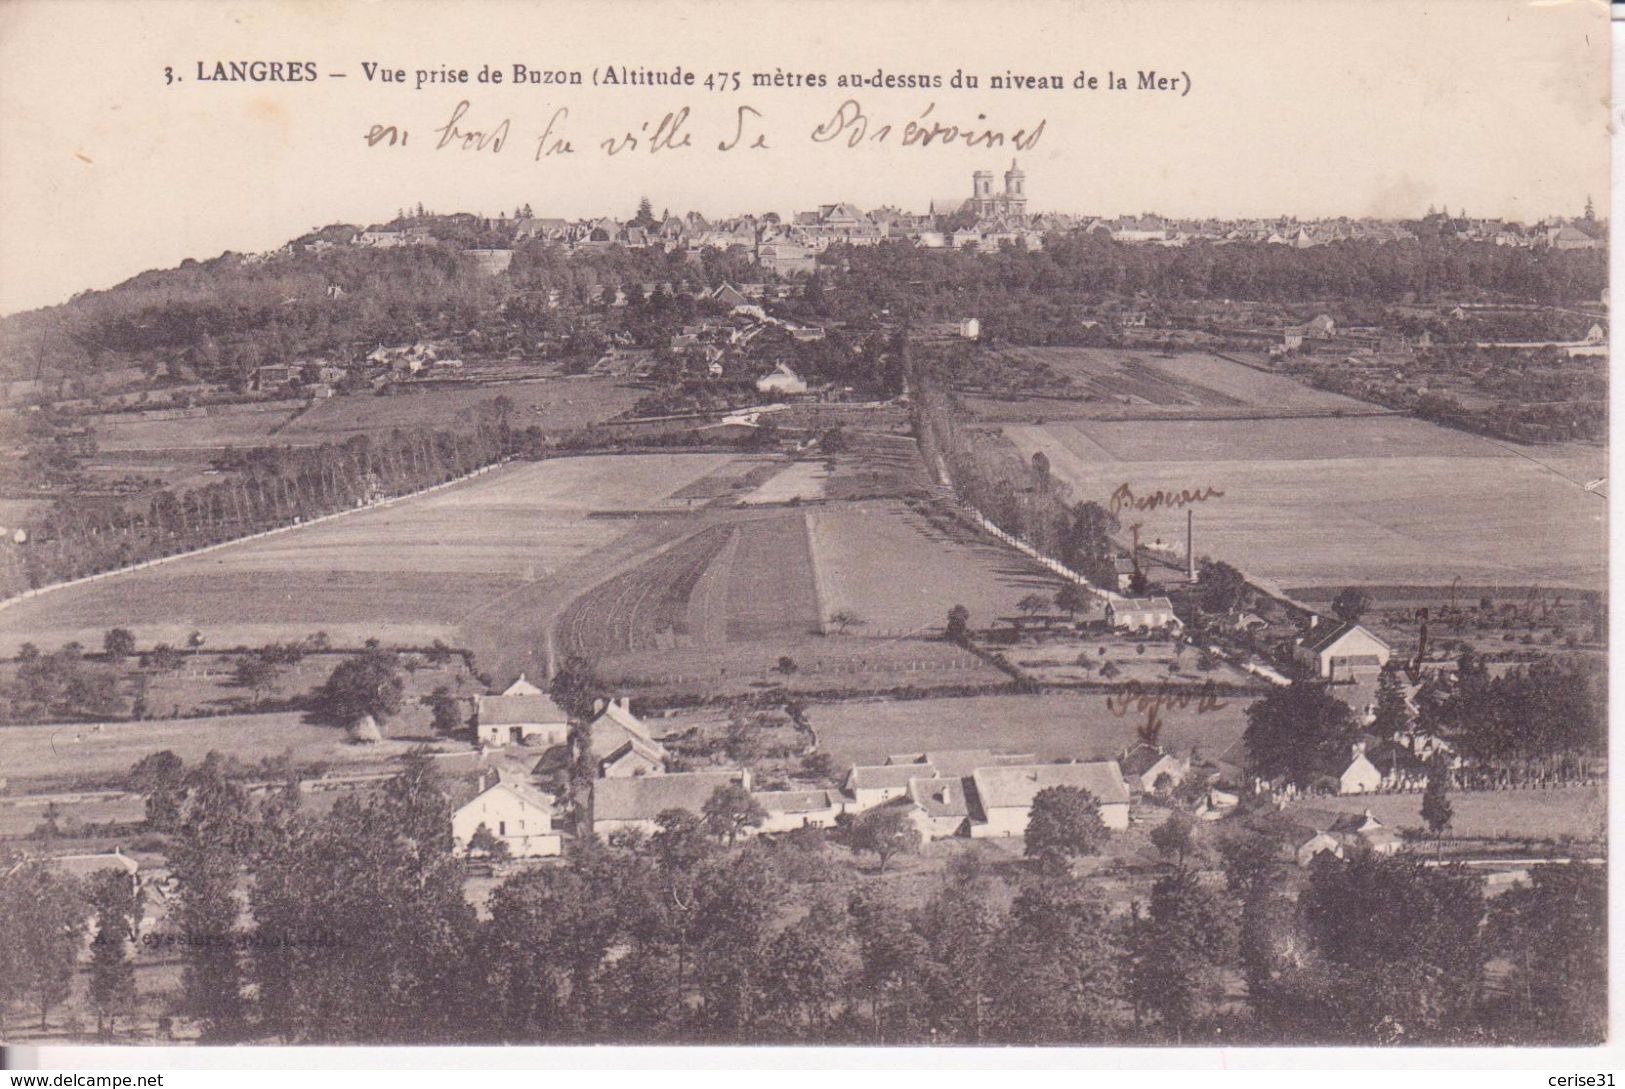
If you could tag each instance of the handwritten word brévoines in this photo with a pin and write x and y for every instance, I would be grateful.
(680, 129)
(852, 126)
(1124, 498)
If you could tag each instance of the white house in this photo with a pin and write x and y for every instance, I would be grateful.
(788, 810)
(970, 328)
(939, 807)
(1342, 651)
(872, 785)
(1361, 776)
(1005, 794)
(522, 714)
(1140, 613)
(516, 813)
(781, 379)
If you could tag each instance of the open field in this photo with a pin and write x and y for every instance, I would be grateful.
(901, 572)
(1119, 382)
(549, 403)
(105, 751)
(800, 481)
(1335, 501)
(1052, 726)
(1580, 811)
(449, 565)
(223, 426)
(743, 580)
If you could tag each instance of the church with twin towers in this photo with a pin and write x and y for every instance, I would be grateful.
(985, 203)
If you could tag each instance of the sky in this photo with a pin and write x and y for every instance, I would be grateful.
(1325, 108)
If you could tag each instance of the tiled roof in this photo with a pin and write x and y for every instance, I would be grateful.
(1001, 787)
(645, 797)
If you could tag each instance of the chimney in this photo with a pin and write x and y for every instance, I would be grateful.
(1314, 619)
(1190, 546)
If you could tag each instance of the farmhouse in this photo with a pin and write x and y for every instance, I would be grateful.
(516, 813)
(869, 786)
(1144, 766)
(939, 807)
(957, 763)
(788, 810)
(634, 757)
(1313, 831)
(614, 726)
(522, 714)
(1140, 613)
(622, 805)
(1342, 651)
(1005, 794)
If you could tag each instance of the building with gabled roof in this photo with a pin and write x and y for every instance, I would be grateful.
(633, 757)
(876, 784)
(788, 810)
(511, 810)
(1342, 651)
(614, 725)
(521, 714)
(1004, 795)
(939, 807)
(635, 803)
(1141, 613)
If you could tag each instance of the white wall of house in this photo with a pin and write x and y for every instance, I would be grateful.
(1360, 777)
(1011, 820)
(527, 829)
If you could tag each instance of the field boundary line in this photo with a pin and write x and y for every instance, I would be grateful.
(39, 591)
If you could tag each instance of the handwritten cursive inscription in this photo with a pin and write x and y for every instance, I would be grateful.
(1125, 499)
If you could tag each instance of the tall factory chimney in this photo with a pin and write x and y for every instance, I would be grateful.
(1190, 545)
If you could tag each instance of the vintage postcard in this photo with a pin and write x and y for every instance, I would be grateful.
(1047, 523)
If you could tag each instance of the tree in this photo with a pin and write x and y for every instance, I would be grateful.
(1178, 952)
(164, 658)
(1064, 823)
(161, 777)
(1351, 603)
(1401, 945)
(118, 908)
(42, 925)
(118, 643)
(885, 832)
(730, 810)
(1175, 838)
(1553, 931)
(367, 684)
(1056, 976)
(1393, 713)
(485, 843)
(1223, 588)
(842, 619)
(1071, 598)
(1299, 733)
(255, 672)
(646, 214)
(1436, 808)
(1033, 604)
(958, 624)
(448, 717)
